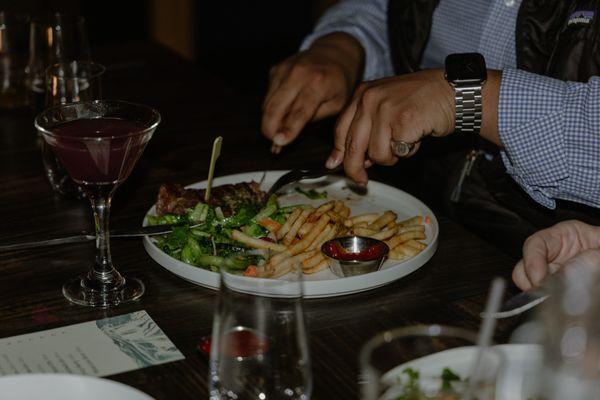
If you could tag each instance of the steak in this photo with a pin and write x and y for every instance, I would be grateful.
(175, 199)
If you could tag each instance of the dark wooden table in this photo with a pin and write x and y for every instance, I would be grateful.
(195, 107)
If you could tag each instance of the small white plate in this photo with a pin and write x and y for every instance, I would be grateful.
(517, 379)
(380, 198)
(65, 387)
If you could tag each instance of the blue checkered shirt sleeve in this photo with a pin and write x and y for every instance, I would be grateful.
(366, 21)
(550, 130)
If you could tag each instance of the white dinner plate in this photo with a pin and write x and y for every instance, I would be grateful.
(380, 198)
(517, 379)
(65, 387)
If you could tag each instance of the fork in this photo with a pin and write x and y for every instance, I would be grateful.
(296, 175)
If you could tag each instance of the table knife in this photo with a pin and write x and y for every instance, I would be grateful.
(86, 237)
(520, 303)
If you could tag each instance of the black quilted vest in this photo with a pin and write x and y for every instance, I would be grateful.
(545, 43)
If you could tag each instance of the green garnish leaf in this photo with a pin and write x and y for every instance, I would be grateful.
(168, 219)
(243, 216)
(448, 376)
(312, 193)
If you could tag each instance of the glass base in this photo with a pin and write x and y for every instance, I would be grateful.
(76, 292)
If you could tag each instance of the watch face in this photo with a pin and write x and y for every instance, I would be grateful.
(465, 67)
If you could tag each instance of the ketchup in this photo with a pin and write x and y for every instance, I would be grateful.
(243, 343)
(370, 253)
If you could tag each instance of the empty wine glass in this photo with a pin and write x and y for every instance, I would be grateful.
(569, 330)
(57, 38)
(259, 347)
(73, 81)
(425, 362)
(99, 142)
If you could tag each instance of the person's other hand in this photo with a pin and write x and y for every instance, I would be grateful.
(406, 107)
(310, 85)
(548, 250)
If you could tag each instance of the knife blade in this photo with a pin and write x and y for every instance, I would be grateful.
(87, 237)
(520, 303)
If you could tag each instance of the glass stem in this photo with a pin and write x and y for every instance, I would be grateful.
(103, 274)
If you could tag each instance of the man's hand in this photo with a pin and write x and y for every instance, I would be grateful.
(311, 85)
(550, 249)
(402, 108)
(406, 107)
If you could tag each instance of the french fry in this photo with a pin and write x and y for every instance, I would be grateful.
(390, 225)
(278, 259)
(310, 237)
(322, 265)
(385, 234)
(406, 250)
(287, 265)
(418, 220)
(313, 260)
(291, 234)
(302, 244)
(345, 211)
(416, 244)
(338, 206)
(288, 223)
(395, 255)
(410, 228)
(363, 224)
(383, 220)
(393, 242)
(370, 217)
(304, 229)
(335, 217)
(406, 236)
(343, 231)
(316, 245)
(279, 271)
(256, 243)
(323, 208)
(364, 232)
(322, 235)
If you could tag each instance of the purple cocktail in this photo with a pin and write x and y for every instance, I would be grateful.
(98, 142)
(108, 158)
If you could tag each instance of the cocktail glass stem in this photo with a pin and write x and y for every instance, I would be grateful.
(102, 276)
(102, 286)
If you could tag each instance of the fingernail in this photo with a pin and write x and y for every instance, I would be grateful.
(275, 149)
(333, 162)
(279, 139)
(363, 179)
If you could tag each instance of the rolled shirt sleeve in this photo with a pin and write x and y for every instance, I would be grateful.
(550, 130)
(367, 22)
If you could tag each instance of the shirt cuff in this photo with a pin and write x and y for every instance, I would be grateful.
(530, 123)
(370, 32)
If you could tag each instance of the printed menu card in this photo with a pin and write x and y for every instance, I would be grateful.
(97, 348)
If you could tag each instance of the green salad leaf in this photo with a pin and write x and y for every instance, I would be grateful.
(448, 377)
(209, 244)
(411, 388)
(312, 193)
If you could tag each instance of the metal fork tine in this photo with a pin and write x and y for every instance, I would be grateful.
(262, 179)
(297, 175)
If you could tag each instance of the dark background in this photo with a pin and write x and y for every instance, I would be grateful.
(237, 40)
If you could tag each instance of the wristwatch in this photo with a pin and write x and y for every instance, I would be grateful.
(466, 73)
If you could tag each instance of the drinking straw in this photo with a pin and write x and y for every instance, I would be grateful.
(486, 332)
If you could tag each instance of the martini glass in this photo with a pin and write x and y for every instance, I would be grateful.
(98, 142)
